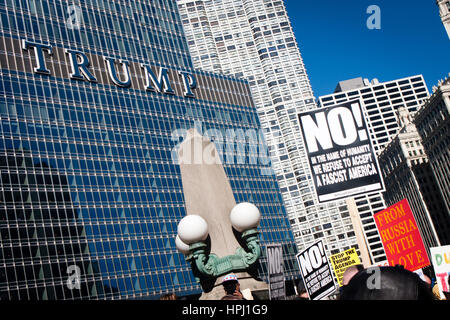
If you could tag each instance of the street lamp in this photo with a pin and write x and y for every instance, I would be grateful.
(192, 229)
(245, 216)
(193, 232)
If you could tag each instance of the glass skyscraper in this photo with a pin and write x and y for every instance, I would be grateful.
(93, 97)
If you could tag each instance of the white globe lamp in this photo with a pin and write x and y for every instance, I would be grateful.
(192, 229)
(245, 216)
(181, 246)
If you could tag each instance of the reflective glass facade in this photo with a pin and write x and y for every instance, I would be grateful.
(88, 184)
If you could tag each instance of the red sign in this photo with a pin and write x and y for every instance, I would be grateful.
(401, 237)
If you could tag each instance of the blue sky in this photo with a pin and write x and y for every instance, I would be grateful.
(337, 45)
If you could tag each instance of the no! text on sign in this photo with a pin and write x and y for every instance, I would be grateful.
(340, 153)
(277, 290)
(316, 271)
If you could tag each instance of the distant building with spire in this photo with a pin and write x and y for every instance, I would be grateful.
(444, 11)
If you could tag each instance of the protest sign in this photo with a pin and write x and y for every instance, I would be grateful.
(316, 271)
(341, 156)
(342, 260)
(401, 237)
(440, 257)
(277, 289)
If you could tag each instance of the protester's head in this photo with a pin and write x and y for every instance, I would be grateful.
(435, 291)
(230, 283)
(386, 283)
(302, 293)
(350, 272)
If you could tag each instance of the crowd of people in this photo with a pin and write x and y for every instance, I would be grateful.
(359, 283)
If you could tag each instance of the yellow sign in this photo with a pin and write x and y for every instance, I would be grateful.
(342, 260)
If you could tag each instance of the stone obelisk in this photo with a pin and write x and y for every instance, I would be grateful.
(207, 192)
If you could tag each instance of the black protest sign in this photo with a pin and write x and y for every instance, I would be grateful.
(277, 289)
(316, 271)
(341, 156)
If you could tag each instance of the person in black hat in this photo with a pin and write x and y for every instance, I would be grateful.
(350, 272)
(393, 283)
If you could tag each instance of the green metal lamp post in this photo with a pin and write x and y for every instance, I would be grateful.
(193, 233)
(217, 235)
